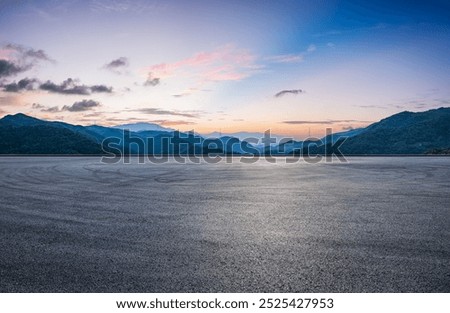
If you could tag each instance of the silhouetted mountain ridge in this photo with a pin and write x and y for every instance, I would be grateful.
(44, 139)
(403, 133)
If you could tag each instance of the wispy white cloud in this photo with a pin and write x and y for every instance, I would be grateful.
(286, 58)
(311, 48)
(291, 58)
(122, 6)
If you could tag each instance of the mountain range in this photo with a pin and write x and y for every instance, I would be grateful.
(138, 127)
(403, 133)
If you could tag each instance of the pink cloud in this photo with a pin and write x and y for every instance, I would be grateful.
(223, 64)
(6, 53)
(224, 73)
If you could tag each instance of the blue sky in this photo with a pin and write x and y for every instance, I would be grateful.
(292, 66)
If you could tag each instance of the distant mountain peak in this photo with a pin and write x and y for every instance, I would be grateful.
(143, 126)
(19, 116)
(20, 119)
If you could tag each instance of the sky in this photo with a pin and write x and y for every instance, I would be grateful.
(295, 67)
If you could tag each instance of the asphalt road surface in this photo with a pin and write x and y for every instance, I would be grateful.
(74, 224)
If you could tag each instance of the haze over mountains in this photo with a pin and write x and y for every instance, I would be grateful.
(402, 133)
(137, 127)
